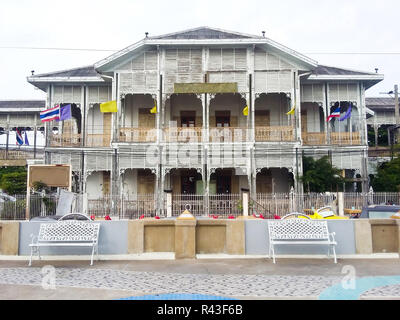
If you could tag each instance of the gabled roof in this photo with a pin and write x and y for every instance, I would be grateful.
(87, 71)
(75, 75)
(334, 71)
(203, 36)
(377, 103)
(205, 33)
(22, 105)
(326, 73)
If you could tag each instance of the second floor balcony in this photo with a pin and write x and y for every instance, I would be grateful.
(74, 140)
(336, 138)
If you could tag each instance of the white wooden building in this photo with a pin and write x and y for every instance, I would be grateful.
(200, 141)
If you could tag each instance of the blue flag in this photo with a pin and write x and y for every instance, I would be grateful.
(26, 139)
(65, 113)
(347, 115)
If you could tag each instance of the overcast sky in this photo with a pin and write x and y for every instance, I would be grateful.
(306, 26)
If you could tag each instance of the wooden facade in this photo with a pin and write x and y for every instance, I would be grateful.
(207, 133)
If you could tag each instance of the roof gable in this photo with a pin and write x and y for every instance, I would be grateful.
(205, 33)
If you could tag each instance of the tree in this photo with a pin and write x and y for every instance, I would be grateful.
(320, 176)
(388, 177)
(14, 182)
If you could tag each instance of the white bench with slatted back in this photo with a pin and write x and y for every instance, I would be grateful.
(66, 234)
(300, 232)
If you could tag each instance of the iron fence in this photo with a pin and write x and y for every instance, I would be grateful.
(222, 205)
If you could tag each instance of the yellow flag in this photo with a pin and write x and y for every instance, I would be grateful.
(291, 112)
(246, 111)
(110, 106)
(154, 110)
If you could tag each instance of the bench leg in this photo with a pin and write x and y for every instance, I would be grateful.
(334, 253)
(91, 261)
(30, 259)
(273, 253)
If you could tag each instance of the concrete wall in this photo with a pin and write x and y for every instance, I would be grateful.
(204, 236)
(385, 235)
(257, 239)
(9, 238)
(186, 238)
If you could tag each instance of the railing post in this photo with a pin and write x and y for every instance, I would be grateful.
(245, 199)
(341, 204)
(292, 200)
(169, 203)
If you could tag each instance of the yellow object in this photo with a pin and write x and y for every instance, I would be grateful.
(110, 106)
(154, 110)
(291, 112)
(246, 111)
(396, 216)
(186, 215)
(329, 215)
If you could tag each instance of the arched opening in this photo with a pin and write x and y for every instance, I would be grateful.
(274, 180)
(312, 123)
(226, 120)
(67, 133)
(183, 118)
(271, 120)
(138, 123)
(345, 130)
(98, 127)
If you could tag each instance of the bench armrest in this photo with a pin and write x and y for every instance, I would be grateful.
(332, 235)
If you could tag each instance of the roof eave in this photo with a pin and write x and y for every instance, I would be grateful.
(22, 109)
(368, 80)
(64, 79)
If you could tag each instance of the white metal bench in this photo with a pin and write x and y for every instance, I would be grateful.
(300, 232)
(66, 234)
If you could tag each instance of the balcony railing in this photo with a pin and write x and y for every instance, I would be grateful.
(345, 138)
(228, 134)
(138, 135)
(375, 152)
(183, 134)
(274, 134)
(314, 138)
(337, 138)
(19, 155)
(65, 140)
(98, 140)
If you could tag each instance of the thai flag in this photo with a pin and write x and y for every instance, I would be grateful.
(50, 114)
(335, 114)
(20, 140)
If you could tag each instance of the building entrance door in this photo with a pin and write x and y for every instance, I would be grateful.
(224, 184)
(188, 184)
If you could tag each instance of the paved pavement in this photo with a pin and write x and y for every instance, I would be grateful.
(240, 279)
